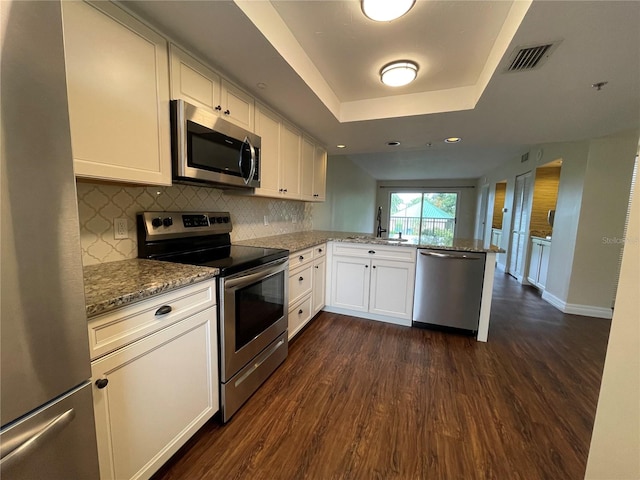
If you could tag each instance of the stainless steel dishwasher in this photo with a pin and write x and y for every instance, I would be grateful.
(448, 289)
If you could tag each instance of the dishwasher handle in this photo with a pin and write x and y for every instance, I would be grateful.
(448, 255)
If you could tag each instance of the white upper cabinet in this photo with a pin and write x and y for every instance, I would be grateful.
(192, 81)
(319, 174)
(307, 167)
(290, 146)
(268, 128)
(118, 89)
(197, 84)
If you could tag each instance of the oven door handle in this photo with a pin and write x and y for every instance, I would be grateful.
(251, 276)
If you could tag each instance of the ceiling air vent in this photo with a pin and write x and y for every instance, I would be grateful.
(528, 58)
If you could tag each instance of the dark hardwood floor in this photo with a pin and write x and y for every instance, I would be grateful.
(358, 399)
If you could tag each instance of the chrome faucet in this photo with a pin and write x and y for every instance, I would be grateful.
(380, 230)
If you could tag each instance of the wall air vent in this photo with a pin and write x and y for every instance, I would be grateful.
(528, 58)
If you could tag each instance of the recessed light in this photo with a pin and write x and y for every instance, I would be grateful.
(452, 140)
(399, 73)
(341, 146)
(393, 143)
(386, 10)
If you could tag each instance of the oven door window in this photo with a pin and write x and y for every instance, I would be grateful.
(258, 306)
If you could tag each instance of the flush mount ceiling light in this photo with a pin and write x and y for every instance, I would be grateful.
(397, 74)
(393, 143)
(452, 140)
(385, 10)
(341, 146)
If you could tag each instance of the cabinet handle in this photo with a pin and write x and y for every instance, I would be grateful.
(301, 258)
(300, 279)
(227, 112)
(372, 251)
(284, 190)
(300, 312)
(102, 382)
(163, 310)
(218, 108)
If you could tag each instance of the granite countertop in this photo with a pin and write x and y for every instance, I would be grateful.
(116, 284)
(301, 240)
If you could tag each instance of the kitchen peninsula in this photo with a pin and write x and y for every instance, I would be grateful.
(390, 252)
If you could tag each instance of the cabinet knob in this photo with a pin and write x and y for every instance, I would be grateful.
(284, 190)
(317, 266)
(366, 266)
(373, 266)
(300, 279)
(301, 258)
(218, 108)
(227, 112)
(300, 312)
(319, 250)
(372, 251)
(163, 310)
(102, 382)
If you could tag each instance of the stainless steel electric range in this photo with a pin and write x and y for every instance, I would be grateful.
(252, 291)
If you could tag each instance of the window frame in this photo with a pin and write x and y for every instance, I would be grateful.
(422, 191)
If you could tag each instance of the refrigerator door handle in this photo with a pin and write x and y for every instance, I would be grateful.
(50, 429)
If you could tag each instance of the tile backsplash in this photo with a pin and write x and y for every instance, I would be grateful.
(100, 204)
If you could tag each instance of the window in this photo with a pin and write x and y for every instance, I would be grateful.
(423, 217)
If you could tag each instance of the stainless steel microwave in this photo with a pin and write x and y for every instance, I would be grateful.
(206, 148)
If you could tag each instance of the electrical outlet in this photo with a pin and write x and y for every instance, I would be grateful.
(266, 220)
(120, 229)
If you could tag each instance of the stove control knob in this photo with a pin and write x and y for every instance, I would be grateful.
(212, 220)
(167, 222)
(220, 219)
(226, 219)
(156, 222)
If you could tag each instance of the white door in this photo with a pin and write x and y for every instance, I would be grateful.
(158, 392)
(518, 245)
(319, 268)
(482, 215)
(350, 285)
(392, 288)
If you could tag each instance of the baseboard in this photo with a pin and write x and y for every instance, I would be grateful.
(576, 309)
(368, 316)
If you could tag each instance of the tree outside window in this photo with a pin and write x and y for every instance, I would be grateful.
(428, 218)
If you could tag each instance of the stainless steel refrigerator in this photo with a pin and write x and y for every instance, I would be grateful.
(46, 406)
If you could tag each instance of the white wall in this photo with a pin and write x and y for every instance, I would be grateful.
(615, 444)
(590, 169)
(350, 201)
(466, 213)
(605, 197)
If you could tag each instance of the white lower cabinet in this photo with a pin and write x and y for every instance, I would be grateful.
(318, 292)
(151, 395)
(539, 262)
(376, 281)
(306, 286)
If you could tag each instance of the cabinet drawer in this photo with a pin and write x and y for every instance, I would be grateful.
(125, 325)
(319, 250)
(400, 254)
(300, 282)
(299, 315)
(300, 258)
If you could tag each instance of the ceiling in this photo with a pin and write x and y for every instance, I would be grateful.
(318, 63)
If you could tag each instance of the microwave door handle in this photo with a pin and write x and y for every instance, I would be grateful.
(252, 170)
